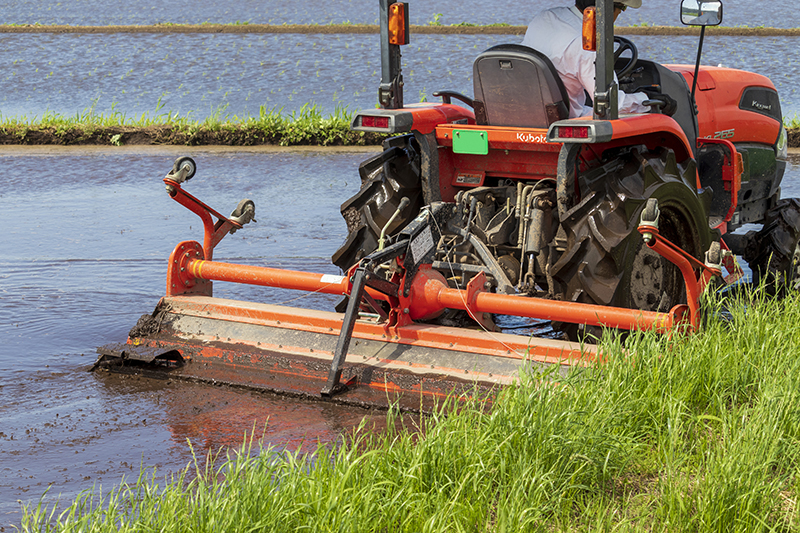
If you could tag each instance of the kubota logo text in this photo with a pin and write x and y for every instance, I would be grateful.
(531, 138)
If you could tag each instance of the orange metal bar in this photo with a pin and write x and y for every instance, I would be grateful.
(572, 312)
(687, 265)
(434, 294)
(268, 277)
(212, 233)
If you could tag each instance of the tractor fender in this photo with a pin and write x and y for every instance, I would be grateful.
(651, 129)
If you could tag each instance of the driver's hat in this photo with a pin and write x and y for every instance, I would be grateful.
(630, 3)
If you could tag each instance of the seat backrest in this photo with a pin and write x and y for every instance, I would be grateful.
(518, 86)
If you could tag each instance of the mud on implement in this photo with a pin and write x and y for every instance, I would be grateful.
(500, 206)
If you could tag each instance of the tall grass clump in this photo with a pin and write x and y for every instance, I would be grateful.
(667, 433)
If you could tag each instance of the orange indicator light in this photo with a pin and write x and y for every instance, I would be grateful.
(398, 23)
(590, 29)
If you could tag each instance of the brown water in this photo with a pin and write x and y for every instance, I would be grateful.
(83, 255)
(85, 237)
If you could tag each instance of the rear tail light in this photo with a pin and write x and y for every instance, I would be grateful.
(573, 132)
(383, 121)
(581, 131)
(374, 122)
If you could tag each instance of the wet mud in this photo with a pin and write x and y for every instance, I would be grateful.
(350, 12)
(75, 430)
(235, 135)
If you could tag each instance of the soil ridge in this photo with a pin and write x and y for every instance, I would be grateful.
(227, 135)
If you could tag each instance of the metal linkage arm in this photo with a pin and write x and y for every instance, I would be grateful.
(183, 170)
(687, 264)
(361, 278)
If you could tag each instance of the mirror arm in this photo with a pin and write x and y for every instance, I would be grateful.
(697, 66)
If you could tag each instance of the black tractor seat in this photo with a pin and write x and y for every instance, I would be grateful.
(517, 86)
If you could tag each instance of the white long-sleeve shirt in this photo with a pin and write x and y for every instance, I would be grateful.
(557, 33)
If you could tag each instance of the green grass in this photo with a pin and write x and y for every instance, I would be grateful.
(308, 126)
(697, 433)
(792, 123)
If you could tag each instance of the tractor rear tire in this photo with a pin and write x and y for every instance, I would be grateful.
(385, 180)
(606, 261)
(773, 253)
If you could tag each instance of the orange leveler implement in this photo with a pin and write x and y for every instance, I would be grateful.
(381, 348)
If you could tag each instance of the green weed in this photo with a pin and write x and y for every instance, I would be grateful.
(308, 126)
(437, 17)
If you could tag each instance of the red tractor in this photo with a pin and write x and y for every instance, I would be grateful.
(503, 207)
(549, 206)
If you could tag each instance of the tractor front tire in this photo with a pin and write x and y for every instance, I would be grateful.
(773, 253)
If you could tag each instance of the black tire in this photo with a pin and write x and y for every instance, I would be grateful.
(606, 261)
(385, 180)
(185, 160)
(773, 253)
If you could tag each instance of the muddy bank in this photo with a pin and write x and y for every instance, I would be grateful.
(228, 135)
(794, 137)
(458, 29)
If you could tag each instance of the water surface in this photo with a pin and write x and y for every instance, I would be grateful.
(83, 254)
(219, 75)
(780, 13)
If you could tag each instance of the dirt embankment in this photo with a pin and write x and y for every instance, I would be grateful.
(231, 135)
(499, 29)
(794, 137)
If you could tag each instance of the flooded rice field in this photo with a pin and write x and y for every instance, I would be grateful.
(86, 234)
(83, 254)
(779, 13)
(202, 75)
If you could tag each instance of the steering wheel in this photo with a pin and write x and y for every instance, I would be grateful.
(623, 45)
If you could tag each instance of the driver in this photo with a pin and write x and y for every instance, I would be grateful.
(557, 33)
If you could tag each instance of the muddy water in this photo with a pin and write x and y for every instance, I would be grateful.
(779, 13)
(202, 75)
(83, 254)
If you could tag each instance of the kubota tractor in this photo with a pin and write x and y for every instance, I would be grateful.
(501, 206)
(549, 206)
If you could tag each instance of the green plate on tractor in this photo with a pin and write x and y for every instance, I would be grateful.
(474, 142)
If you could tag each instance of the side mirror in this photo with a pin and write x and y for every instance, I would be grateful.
(701, 12)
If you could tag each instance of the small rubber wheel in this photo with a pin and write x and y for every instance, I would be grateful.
(183, 161)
